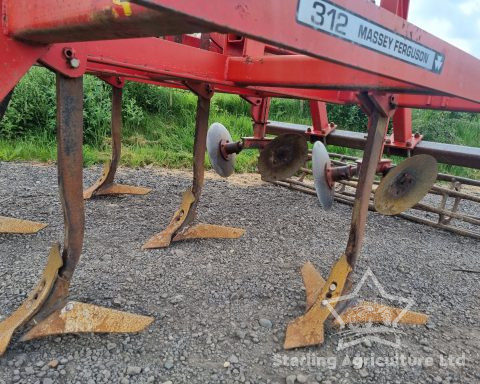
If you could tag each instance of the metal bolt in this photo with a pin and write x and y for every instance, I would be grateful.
(333, 287)
(409, 143)
(69, 307)
(388, 141)
(417, 135)
(393, 101)
(74, 63)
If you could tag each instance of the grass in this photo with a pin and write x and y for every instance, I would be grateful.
(159, 124)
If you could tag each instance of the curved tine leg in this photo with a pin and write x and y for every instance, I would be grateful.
(105, 184)
(309, 328)
(47, 306)
(9, 224)
(180, 227)
(53, 287)
(70, 180)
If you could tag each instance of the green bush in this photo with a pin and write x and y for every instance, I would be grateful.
(448, 127)
(32, 109)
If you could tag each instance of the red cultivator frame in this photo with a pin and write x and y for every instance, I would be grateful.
(339, 51)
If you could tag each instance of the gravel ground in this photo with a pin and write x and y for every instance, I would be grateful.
(221, 306)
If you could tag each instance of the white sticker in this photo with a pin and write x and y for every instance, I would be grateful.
(326, 17)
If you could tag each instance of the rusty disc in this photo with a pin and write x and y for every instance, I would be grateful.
(320, 162)
(406, 184)
(283, 157)
(217, 134)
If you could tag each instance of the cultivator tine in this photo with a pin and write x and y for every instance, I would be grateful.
(365, 312)
(77, 317)
(17, 226)
(47, 309)
(34, 301)
(92, 190)
(181, 226)
(309, 328)
(105, 184)
(164, 238)
(322, 298)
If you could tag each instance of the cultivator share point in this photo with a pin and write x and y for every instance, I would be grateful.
(105, 185)
(320, 51)
(180, 227)
(17, 226)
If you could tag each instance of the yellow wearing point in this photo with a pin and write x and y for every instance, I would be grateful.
(126, 6)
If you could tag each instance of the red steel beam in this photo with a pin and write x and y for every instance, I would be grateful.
(173, 60)
(271, 23)
(169, 59)
(306, 72)
(56, 20)
(398, 7)
(179, 62)
(402, 119)
(437, 102)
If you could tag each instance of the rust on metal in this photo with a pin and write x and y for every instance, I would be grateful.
(70, 181)
(122, 189)
(282, 157)
(164, 238)
(187, 212)
(105, 185)
(101, 187)
(180, 227)
(199, 146)
(209, 231)
(309, 328)
(406, 184)
(77, 317)
(34, 301)
(379, 110)
(12, 225)
(367, 312)
(89, 192)
(54, 315)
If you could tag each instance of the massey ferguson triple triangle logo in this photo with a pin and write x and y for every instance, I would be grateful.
(327, 17)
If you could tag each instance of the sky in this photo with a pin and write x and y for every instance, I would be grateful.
(455, 21)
